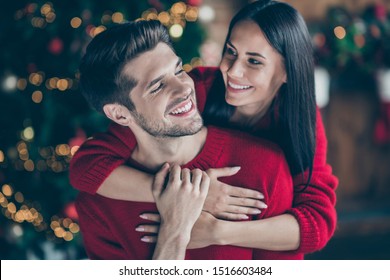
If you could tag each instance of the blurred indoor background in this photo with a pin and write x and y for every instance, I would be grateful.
(44, 119)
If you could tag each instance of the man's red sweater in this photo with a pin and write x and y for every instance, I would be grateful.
(108, 226)
(314, 208)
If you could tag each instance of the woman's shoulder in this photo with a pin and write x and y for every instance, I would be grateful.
(204, 72)
(205, 75)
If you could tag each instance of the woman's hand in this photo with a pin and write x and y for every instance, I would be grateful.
(150, 228)
(229, 202)
(202, 234)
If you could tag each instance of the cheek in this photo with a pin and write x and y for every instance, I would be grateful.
(190, 82)
(224, 65)
(187, 80)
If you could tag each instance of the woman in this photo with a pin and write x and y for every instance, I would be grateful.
(265, 85)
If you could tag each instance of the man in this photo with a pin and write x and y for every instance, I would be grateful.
(131, 73)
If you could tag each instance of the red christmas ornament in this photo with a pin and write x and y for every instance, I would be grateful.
(380, 11)
(71, 212)
(79, 138)
(56, 46)
(382, 125)
(156, 4)
(194, 2)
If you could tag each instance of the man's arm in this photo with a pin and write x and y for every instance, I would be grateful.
(179, 204)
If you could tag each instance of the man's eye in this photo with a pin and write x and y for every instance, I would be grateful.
(179, 72)
(157, 89)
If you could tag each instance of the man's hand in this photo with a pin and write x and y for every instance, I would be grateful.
(179, 204)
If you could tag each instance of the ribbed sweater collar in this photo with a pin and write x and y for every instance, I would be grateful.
(212, 149)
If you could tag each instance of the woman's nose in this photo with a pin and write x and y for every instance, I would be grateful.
(235, 69)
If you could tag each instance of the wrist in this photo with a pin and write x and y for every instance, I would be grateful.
(219, 232)
(173, 236)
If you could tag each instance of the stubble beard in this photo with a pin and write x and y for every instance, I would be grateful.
(161, 130)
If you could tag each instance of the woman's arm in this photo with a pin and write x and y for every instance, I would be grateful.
(96, 159)
(126, 183)
(98, 167)
(314, 207)
(279, 233)
(307, 226)
(223, 201)
(273, 230)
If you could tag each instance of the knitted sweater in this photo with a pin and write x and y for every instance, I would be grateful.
(314, 208)
(108, 226)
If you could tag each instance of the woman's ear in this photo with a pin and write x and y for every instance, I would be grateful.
(118, 113)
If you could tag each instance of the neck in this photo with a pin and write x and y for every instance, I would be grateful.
(249, 115)
(153, 152)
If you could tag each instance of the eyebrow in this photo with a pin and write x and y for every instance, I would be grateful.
(248, 53)
(159, 78)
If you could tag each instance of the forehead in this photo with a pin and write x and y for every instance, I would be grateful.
(248, 35)
(151, 64)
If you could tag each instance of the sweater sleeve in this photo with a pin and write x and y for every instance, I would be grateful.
(314, 207)
(279, 186)
(99, 156)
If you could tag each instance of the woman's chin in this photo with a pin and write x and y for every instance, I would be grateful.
(232, 101)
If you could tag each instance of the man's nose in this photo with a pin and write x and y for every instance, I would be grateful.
(181, 88)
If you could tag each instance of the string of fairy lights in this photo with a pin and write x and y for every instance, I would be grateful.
(38, 84)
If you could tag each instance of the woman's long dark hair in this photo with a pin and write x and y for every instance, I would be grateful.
(287, 33)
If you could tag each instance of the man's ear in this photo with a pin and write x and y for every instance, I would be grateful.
(118, 113)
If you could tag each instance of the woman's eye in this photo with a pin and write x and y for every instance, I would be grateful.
(230, 51)
(157, 89)
(254, 61)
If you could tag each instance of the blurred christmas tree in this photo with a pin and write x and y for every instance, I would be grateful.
(353, 42)
(43, 117)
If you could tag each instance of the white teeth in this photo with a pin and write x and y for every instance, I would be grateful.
(183, 109)
(238, 86)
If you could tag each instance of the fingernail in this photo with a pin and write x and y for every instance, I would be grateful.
(237, 167)
(145, 239)
(245, 217)
(143, 216)
(260, 196)
(140, 229)
(256, 211)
